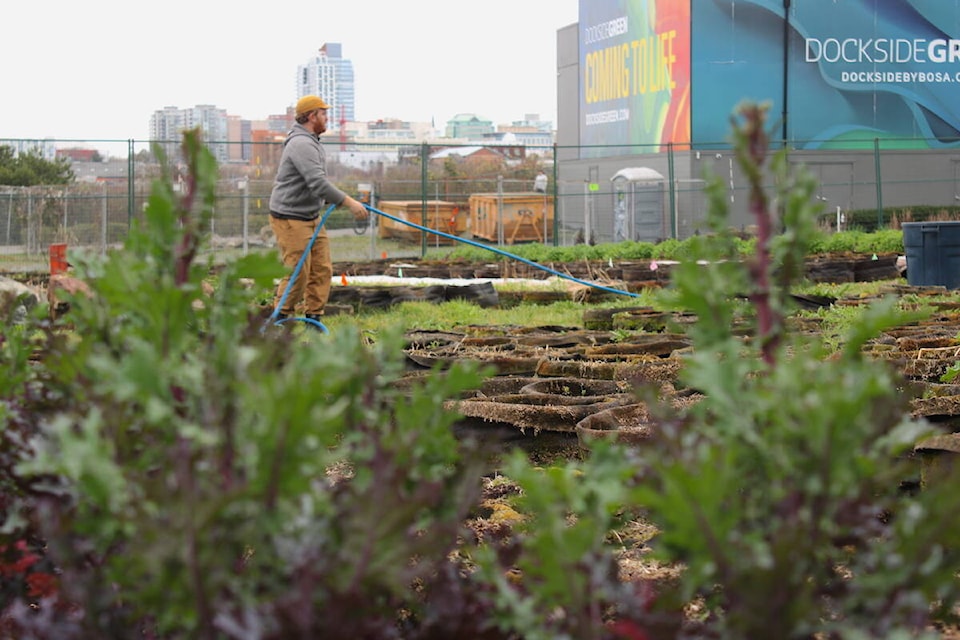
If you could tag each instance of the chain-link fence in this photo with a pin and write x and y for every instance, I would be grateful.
(634, 195)
(472, 192)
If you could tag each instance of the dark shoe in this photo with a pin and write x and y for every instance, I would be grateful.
(316, 322)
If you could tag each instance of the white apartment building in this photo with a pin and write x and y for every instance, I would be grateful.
(329, 76)
(46, 148)
(165, 127)
(168, 124)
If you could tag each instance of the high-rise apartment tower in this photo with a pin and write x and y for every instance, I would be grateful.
(329, 76)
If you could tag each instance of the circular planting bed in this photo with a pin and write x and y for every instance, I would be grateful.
(629, 424)
(582, 383)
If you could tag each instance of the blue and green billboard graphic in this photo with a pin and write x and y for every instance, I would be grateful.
(838, 73)
(855, 69)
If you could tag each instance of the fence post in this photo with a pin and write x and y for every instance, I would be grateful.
(673, 197)
(876, 162)
(424, 161)
(436, 213)
(556, 199)
(103, 223)
(31, 232)
(9, 215)
(372, 221)
(130, 182)
(500, 211)
(244, 186)
(27, 232)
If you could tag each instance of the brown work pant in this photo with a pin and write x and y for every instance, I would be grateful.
(312, 285)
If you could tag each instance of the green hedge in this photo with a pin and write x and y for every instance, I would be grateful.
(866, 219)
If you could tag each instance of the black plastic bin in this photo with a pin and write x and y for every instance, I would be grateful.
(933, 253)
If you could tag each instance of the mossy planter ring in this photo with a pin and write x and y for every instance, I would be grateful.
(628, 424)
(584, 390)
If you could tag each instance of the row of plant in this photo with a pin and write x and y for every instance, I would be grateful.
(172, 468)
(886, 242)
(869, 220)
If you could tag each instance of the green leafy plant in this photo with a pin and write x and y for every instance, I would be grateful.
(884, 241)
(779, 492)
(193, 473)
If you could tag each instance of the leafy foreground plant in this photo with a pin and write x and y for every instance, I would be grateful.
(780, 491)
(780, 494)
(180, 474)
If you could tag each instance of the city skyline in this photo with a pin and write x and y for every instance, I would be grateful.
(416, 63)
(232, 139)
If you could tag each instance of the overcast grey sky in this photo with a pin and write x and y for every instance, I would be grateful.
(97, 70)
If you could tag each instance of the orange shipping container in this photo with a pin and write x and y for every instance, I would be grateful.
(441, 216)
(526, 217)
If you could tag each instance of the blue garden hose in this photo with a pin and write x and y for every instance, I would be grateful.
(504, 253)
(322, 327)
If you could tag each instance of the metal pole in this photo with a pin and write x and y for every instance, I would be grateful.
(372, 223)
(556, 199)
(500, 210)
(66, 199)
(130, 181)
(103, 223)
(424, 159)
(30, 230)
(673, 191)
(587, 203)
(786, 72)
(9, 215)
(876, 162)
(436, 213)
(245, 186)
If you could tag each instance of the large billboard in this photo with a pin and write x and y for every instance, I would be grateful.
(855, 70)
(838, 73)
(634, 74)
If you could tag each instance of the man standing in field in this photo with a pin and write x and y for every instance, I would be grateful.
(301, 191)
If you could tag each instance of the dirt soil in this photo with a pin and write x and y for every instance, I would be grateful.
(550, 382)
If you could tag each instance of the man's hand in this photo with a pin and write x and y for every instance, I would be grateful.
(356, 208)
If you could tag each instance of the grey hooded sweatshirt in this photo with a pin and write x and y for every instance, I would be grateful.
(301, 188)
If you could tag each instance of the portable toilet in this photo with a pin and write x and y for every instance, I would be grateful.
(638, 211)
